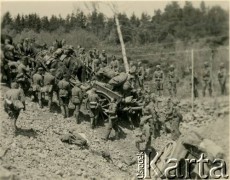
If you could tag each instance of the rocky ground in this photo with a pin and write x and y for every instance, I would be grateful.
(38, 153)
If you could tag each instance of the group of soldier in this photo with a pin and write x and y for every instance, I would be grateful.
(63, 75)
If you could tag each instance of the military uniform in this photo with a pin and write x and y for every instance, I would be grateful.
(93, 99)
(37, 85)
(114, 65)
(174, 117)
(95, 65)
(76, 100)
(112, 111)
(49, 83)
(159, 76)
(172, 81)
(140, 75)
(207, 81)
(64, 90)
(222, 76)
(145, 135)
(14, 102)
(103, 58)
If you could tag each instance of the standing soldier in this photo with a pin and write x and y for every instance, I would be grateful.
(14, 102)
(64, 91)
(159, 78)
(174, 118)
(104, 58)
(93, 105)
(112, 111)
(37, 85)
(96, 64)
(207, 82)
(114, 65)
(149, 113)
(140, 74)
(222, 76)
(49, 82)
(76, 100)
(172, 80)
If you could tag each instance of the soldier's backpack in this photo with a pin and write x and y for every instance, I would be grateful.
(118, 80)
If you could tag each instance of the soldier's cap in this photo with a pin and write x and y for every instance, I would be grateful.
(139, 63)
(58, 51)
(27, 39)
(222, 65)
(103, 51)
(114, 57)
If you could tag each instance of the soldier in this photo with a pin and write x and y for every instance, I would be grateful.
(112, 111)
(159, 78)
(37, 85)
(23, 75)
(96, 64)
(103, 58)
(94, 107)
(174, 117)
(14, 102)
(76, 99)
(114, 65)
(172, 81)
(140, 74)
(145, 135)
(207, 82)
(49, 83)
(64, 91)
(149, 113)
(222, 76)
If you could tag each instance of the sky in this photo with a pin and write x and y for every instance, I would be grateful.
(48, 8)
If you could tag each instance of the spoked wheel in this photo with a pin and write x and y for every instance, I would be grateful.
(104, 103)
(104, 106)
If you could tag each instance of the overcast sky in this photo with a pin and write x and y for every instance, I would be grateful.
(48, 8)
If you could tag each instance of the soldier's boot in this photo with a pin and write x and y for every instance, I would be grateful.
(63, 111)
(210, 92)
(66, 111)
(49, 103)
(77, 117)
(92, 122)
(40, 103)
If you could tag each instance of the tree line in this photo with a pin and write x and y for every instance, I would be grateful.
(174, 23)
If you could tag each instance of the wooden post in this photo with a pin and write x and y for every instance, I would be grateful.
(192, 79)
(126, 64)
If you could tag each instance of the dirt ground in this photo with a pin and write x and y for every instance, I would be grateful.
(38, 153)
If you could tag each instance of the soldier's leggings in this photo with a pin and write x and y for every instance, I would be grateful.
(207, 84)
(112, 125)
(76, 112)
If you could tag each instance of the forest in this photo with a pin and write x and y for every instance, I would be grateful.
(168, 26)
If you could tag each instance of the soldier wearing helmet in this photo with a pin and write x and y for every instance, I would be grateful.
(222, 77)
(140, 74)
(158, 76)
(103, 58)
(207, 80)
(172, 81)
(93, 99)
(114, 64)
(14, 102)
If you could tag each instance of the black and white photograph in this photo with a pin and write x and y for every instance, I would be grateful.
(114, 90)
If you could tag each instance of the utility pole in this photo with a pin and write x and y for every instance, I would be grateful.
(192, 79)
(126, 64)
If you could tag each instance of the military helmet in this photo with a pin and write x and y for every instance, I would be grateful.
(205, 64)
(158, 66)
(171, 66)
